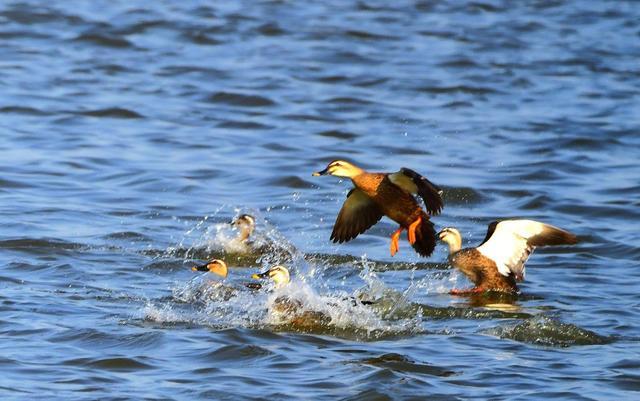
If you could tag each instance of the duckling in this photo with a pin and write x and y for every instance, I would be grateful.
(498, 262)
(386, 194)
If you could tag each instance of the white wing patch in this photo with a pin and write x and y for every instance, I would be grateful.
(508, 245)
(404, 182)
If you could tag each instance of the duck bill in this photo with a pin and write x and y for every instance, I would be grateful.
(259, 276)
(201, 268)
(319, 173)
(440, 235)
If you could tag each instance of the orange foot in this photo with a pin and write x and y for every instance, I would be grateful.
(394, 241)
(468, 291)
(411, 231)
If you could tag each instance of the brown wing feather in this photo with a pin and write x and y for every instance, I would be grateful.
(415, 183)
(357, 215)
(551, 235)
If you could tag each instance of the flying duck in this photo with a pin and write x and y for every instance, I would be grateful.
(498, 262)
(386, 194)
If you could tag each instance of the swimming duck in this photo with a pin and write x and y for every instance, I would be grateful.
(219, 267)
(245, 224)
(386, 194)
(214, 290)
(498, 262)
(278, 274)
(290, 310)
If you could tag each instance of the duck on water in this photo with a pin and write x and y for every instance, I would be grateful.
(287, 310)
(219, 267)
(499, 261)
(246, 225)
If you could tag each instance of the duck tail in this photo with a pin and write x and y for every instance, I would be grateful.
(425, 237)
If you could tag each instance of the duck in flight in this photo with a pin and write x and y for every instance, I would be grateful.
(498, 262)
(386, 194)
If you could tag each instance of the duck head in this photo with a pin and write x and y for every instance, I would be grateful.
(451, 237)
(278, 274)
(340, 168)
(215, 266)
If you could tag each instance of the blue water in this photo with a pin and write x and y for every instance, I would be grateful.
(131, 132)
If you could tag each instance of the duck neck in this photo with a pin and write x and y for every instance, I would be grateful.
(361, 179)
(245, 232)
(455, 244)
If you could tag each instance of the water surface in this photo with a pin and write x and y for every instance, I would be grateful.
(131, 132)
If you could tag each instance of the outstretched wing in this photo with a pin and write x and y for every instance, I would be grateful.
(357, 215)
(490, 230)
(510, 242)
(416, 184)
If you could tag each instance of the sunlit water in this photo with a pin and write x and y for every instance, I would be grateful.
(131, 132)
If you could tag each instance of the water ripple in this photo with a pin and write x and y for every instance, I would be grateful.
(239, 99)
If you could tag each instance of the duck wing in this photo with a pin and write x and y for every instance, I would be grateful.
(510, 242)
(358, 214)
(416, 184)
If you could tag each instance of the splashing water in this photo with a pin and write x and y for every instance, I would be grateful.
(266, 246)
(303, 305)
(309, 304)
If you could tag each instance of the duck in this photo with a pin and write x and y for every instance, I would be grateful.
(386, 194)
(290, 310)
(219, 267)
(245, 224)
(214, 290)
(281, 278)
(278, 274)
(499, 261)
